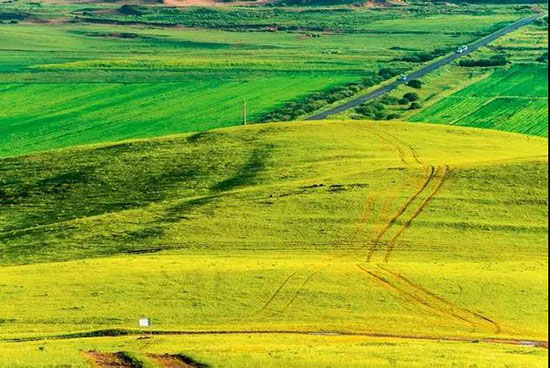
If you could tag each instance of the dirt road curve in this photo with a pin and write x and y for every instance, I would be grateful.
(494, 340)
(425, 70)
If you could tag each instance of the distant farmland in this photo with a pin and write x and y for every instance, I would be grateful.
(65, 85)
(514, 99)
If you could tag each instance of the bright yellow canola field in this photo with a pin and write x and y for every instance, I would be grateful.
(322, 244)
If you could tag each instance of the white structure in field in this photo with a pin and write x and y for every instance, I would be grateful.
(144, 322)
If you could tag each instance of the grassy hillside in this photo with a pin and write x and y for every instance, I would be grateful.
(160, 189)
(390, 228)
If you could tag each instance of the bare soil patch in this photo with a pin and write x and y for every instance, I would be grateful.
(175, 361)
(106, 360)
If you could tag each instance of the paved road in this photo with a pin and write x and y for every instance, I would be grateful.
(425, 70)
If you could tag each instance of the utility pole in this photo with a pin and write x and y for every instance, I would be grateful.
(244, 112)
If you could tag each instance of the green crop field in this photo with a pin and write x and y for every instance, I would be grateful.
(350, 227)
(64, 82)
(513, 99)
(510, 97)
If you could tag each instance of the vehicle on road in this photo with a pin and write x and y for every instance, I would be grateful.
(402, 77)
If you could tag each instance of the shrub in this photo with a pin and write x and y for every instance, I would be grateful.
(380, 115)
(418, 57)
(496, 60)
(378, 106)
(130, 10)
(363, 110)
(543, 58)
(415, 106)
(392, 116)
(415, 83)
(411, 96)
(421, 57)
(388, 100)
(403, 101)
(388, 73)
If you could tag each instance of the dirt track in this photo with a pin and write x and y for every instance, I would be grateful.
(494, 340)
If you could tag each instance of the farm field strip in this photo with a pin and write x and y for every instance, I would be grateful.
(512, 99)
(69, 114)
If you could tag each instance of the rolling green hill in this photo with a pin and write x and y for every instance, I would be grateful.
(418, 232)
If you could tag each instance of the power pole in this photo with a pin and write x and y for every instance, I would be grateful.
(244, 112)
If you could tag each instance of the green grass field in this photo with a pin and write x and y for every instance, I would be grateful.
(513, 99)
(96, 237)
(64, 83)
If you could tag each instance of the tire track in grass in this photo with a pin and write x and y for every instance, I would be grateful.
(376, 240)
(495, 325)
(399, 149)
(369, 209)
(277, 291)
(368, 214)
(411, 149)
(444, 175)
(366, 217)
(429, 173)
(411, 297)
(301, 287)
(417, 294)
